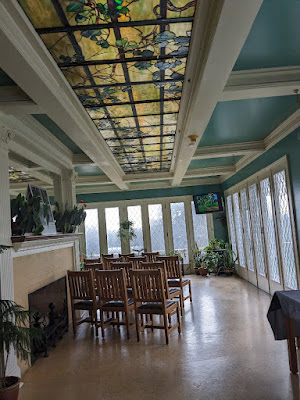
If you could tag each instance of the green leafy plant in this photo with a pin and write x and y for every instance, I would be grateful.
(25, 214)
(180, 253)
(126, 231)
(3, 248)
(15, 333)
(211, 260)
(197, 260)
(229, 257)
(67, 220)
(215, 244)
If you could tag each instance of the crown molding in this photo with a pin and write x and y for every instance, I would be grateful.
(228, 150)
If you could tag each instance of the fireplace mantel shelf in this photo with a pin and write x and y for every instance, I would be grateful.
(26, 245)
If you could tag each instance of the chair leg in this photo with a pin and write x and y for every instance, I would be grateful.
(94, 316)
(151, 319)
(166, 328)
(102, 323)
(127, 323)
(190, 289)
(74, 320)
(178, 320)
(137, 322)
(181, 302)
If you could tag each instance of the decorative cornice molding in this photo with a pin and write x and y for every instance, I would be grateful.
(69, 175)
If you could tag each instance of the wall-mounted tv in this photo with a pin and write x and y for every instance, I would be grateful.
(208, 203)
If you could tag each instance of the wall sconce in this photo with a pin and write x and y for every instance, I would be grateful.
(193, 140)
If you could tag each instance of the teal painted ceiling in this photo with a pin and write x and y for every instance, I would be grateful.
(57, 132)
(5, 80)
(247, 120)
(214, 162)
(274, 38)
(87, 170)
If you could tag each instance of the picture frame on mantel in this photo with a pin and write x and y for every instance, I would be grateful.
(49, 228)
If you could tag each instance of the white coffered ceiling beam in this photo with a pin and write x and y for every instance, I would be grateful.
(144, 177)
(80, 160)
(37, 144)
(210, 171)
(228, 150)
(92, 180)
(267, 82)
(220, 31)
(13, 100)
(16, 163)
(42, 80)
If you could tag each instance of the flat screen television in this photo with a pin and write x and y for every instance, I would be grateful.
(208, 203)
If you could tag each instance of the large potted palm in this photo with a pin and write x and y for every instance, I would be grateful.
(16, 335)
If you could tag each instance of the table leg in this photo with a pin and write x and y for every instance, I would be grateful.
(290, 330)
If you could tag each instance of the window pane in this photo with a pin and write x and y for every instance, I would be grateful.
(135, 215)
(285, 231)
(156, 228)
(200, 228)
(179, 229)
(269, 229)
(112, 220)
(92, 234)
(256, 227)
(239, 229)
(247, 230)
(231, 224)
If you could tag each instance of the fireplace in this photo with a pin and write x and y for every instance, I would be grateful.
(50, 306)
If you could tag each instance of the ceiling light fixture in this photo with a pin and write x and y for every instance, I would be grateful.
(193, 140)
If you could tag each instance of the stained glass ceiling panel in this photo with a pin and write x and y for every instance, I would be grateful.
(126, 62)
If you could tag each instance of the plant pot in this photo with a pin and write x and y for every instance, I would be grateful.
(203, 271)
(197, 272)
(16, 229)
(10, 392)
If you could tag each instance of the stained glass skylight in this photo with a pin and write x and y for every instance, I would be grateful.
(125, 61)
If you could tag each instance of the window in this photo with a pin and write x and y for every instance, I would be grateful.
(112, 220)
(156, 228)
(179, 230)
(92, 234)
(135, 215)
(231, 224)
(247, 230)
(239, 229)
(200, 228)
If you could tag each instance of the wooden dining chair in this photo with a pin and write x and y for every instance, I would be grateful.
(171, 292)
(107, 255)
(108, 260)
(92, 267)
(113, 297)
(83, 297)
(127, 266)
(149, 298)
(136, 260)
(92, 260)
(174, 274)
(125, 256)
(150, 256)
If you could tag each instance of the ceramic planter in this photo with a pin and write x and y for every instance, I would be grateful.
(10, 392)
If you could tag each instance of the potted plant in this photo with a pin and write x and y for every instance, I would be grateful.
(67, 221)
(15, 334)
(126, 231)
(211, 260)
(197, 261)
(229, 259)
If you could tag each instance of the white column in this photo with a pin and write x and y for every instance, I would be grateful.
(6, 262)
(65, 189)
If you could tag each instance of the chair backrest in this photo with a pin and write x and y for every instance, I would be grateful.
(150, 256)
(148, 286)
(126, 256)
(92, 260)
(108, 260)
(111, 285)
(157, 265)
(127, 267)
(173, 266)
(81, 284)
(92, 267)
(107, 256)
(136, 261)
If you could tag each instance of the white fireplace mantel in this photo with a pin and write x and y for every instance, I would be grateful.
(39, 244)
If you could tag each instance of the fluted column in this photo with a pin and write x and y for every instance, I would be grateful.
(6, 262)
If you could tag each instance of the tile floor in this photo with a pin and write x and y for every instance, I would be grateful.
(226, 352)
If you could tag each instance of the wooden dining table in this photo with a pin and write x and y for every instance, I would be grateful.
(284, 318)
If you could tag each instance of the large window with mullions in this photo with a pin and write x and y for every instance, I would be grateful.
(126, 62)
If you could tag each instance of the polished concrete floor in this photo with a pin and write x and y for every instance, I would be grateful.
(226, 352)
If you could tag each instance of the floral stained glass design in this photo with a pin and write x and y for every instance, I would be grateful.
(16, 176)
(126, 62)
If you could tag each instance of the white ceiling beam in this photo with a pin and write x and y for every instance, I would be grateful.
(15, 163)
(228, 150)
(267, 82)
(143, 177)
(213, 54)
(210, 171)
(91, 180)
(13, 100)
(42, 80)
(80, 160)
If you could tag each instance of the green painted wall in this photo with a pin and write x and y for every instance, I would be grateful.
(289, 146)
(220, 231)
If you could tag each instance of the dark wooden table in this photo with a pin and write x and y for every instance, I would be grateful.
(284, 318)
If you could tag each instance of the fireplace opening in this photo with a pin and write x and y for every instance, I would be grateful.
(50, 306)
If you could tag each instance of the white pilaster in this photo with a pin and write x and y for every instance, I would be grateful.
(6, 263)
(65, 189)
